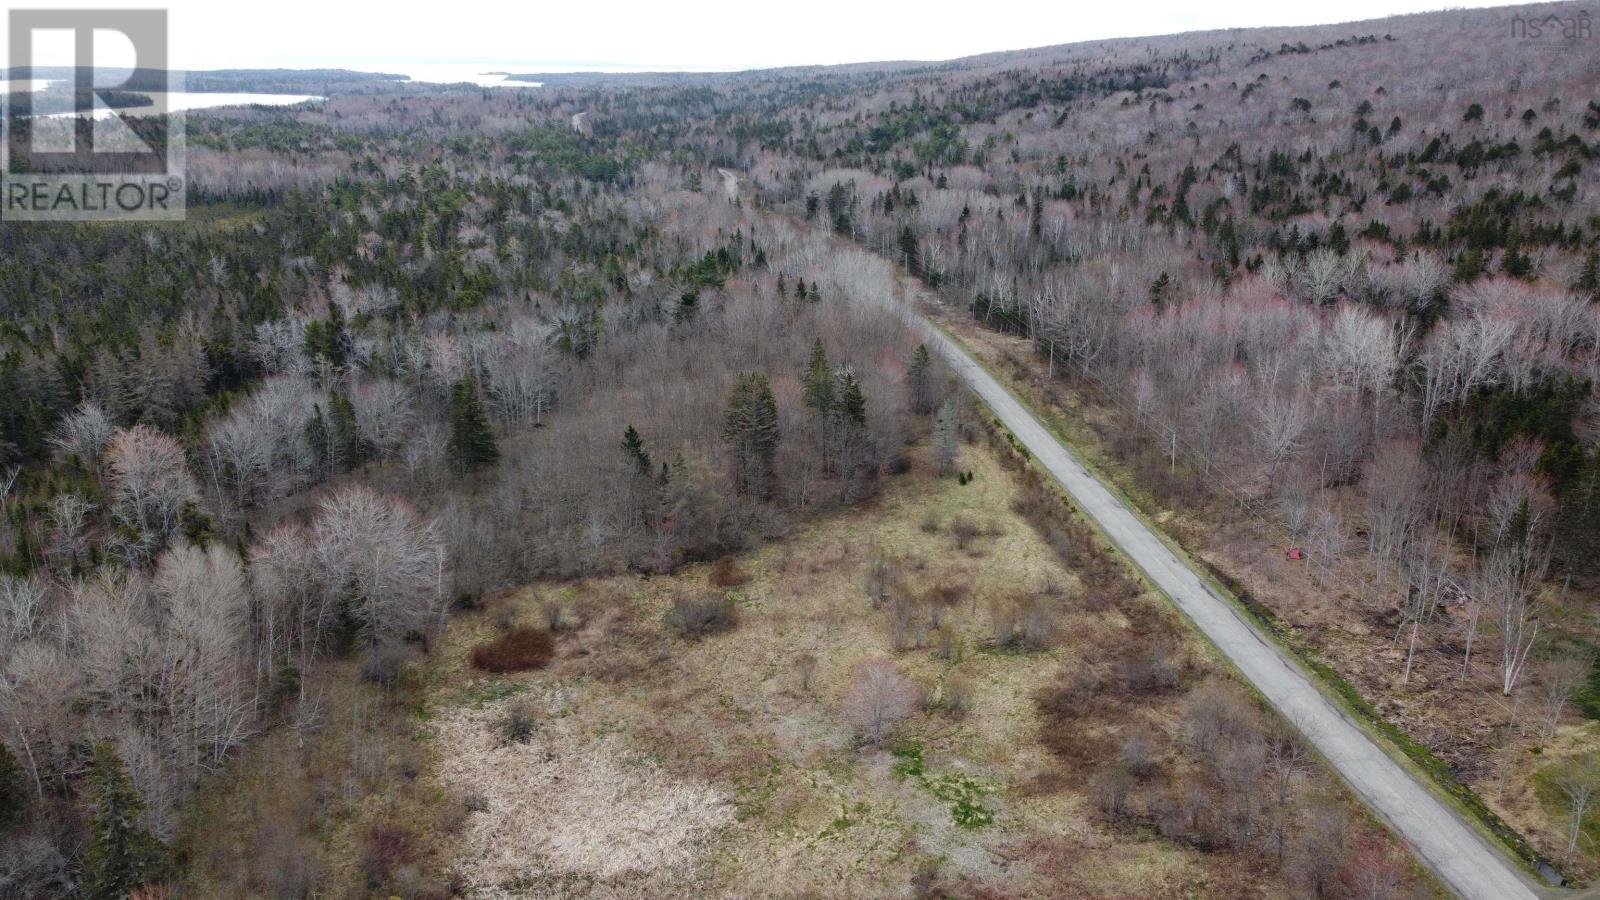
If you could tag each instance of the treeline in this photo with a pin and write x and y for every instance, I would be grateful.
(237, 452)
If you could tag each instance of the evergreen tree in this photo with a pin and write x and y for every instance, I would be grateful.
(1160, 291)
(946, 447)
(1515, 263)
(327, 339)
(1589, 280)
(1469, 266)
(121, 855)
(320, 440)
(472, 444)
(633, 448)
(1339, 239)
(841, 202)
(909, 252)
(1228, 235)
(819, 381)
(344, 435)
(852, 405)
(750, 426)
(13, 791)
(920, 376)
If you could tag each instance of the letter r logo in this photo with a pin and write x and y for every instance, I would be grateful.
(101, 139)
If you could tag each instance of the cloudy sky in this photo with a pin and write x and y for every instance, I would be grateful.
(701, 35)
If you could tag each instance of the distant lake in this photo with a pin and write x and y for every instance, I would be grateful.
(187, 100)
(481, 74)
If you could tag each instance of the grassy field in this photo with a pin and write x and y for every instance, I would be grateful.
(646, 764)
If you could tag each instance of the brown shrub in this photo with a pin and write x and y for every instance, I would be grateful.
(807, 666)
(964, 530)
(1073, 694)
(907, 631)
(726, 573)
(387, 848)
(385, 664)
(555, 615)
(1217, 715)
(1110, 789)
(1139, 754)
(884, 575)
(1026, 622)
(517, 650)
(695, 618)
(519, 724)
(956, 697)
(947, 595)
(1147, 671)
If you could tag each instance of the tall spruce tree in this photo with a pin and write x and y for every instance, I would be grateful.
(819, 381)
(13, 791)
(920, 377)
(472, 444)
(121, 854)
(344, 435)
(633, 448)
(1589, 279)
(851, 403)
(750, 426)
(910, 253)
(320, 440)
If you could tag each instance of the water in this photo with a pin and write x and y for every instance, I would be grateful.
(186, 100)
(481, 74)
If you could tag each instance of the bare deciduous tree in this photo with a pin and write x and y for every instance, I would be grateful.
(151, 484)
(879, 698)
(1579, 781)
(388, 561)
(1558, 680)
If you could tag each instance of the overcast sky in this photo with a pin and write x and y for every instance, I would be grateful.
(700, 35)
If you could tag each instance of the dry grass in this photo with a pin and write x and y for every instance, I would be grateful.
(750, 726)
(561, 802)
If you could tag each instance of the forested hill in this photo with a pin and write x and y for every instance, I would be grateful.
(1325, 299)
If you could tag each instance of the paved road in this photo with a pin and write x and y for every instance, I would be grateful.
(1462, 859)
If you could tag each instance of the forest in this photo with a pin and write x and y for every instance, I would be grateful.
(457, 417)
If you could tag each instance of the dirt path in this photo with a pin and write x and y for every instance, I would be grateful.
(1466, 862)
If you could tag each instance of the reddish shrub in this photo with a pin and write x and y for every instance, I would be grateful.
(726, 573)
(387, 848)
(515, 651)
